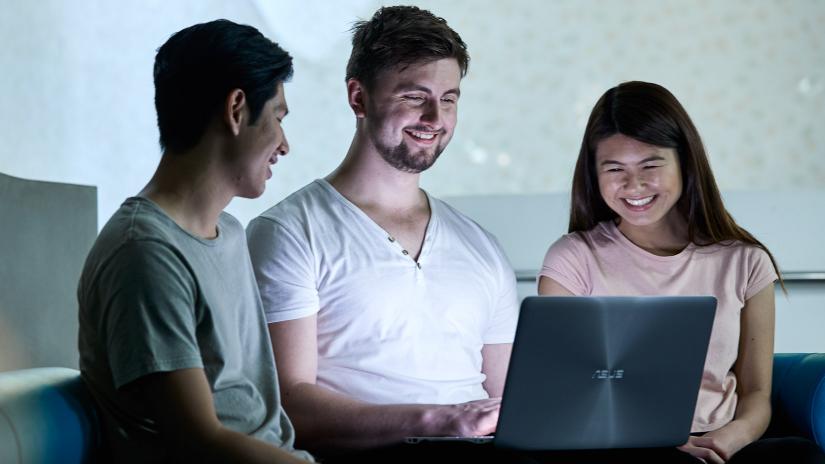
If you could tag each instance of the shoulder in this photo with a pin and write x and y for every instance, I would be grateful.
(135, 266)
(296, 204)
(149, 257)
(296, 210)
(579, 250)
(136, 227)
(288, 229)
(460, 222)
(229, 223)
(464, 233)
(735, 250)
(750, 264)
(571, 242)
(571, 259)
(583, 242)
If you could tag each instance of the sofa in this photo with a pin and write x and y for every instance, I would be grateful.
(48, 416)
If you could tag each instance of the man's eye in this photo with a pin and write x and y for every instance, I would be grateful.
(414, 98)
(652, 166)
(614, 169)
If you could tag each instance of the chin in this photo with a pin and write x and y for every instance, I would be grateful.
(252, 193)
(642, 222)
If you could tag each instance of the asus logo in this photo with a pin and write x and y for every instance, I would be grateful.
(607, 374)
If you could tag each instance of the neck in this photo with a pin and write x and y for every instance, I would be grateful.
(368, 181)
(667, 237)
(187, 187)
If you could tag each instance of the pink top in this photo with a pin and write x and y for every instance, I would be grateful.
(610, 264)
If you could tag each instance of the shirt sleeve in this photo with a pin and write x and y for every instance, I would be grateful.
(760, 271)
(565, 263)
(149, 319)
(284, 270)
(502, 328)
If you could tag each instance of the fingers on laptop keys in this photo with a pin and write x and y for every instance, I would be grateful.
(484, 405)
(473, 418)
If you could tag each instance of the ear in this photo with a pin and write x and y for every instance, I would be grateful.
(356, 94)
(234, 110)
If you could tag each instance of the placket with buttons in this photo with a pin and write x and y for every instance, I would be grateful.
(404, 252)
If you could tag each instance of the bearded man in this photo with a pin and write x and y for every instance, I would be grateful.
(391, 314)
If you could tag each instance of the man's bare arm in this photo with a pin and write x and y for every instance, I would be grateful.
(327, 420)
(496, 359)
(182, 405)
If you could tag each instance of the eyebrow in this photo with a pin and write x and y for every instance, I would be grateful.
(407, 87)
(646, 160)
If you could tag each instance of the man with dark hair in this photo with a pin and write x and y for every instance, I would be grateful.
(173, 342)
(391, 314)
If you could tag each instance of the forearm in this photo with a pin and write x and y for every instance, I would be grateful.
(753, 413)
(325, 420)
(229, 446)
(748, 425)
(224, 445)
(754, 365)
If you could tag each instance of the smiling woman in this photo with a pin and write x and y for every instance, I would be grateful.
(647, 219)
(641, 183)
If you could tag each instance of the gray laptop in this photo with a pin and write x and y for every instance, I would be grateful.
(602, 372)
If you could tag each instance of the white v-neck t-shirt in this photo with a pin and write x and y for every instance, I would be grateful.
(390, 329)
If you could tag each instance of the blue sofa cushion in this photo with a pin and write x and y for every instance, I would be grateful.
(47, 415)
(798, 396)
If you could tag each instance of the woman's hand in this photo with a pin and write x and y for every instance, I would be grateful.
(718, 446)
(701, 450)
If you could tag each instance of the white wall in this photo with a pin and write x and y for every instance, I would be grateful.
(76, 91)
(76, 87)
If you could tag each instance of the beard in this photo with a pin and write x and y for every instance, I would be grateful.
(402, 159)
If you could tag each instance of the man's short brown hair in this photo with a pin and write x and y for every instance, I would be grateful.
(401, 36)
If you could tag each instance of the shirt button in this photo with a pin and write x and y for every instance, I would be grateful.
(405, 252)
(390, 238)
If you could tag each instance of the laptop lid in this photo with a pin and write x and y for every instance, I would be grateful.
(604, 372)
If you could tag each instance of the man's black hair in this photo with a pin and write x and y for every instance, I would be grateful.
(197, 68)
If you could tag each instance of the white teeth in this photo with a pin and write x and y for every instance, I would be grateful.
(422, 135)
(639, 202)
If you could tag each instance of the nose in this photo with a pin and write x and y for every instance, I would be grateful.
(283, 148)
(634, 182)
(431, 112)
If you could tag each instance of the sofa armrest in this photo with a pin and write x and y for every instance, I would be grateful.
(798, 396)
(47, 415)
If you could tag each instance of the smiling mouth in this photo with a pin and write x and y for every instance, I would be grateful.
(421, 135)
(639, 202)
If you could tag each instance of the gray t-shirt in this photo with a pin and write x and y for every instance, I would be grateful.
(155, 298)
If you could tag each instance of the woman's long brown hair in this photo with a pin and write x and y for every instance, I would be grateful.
(649, 113)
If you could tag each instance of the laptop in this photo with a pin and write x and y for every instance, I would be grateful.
(602, 373)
